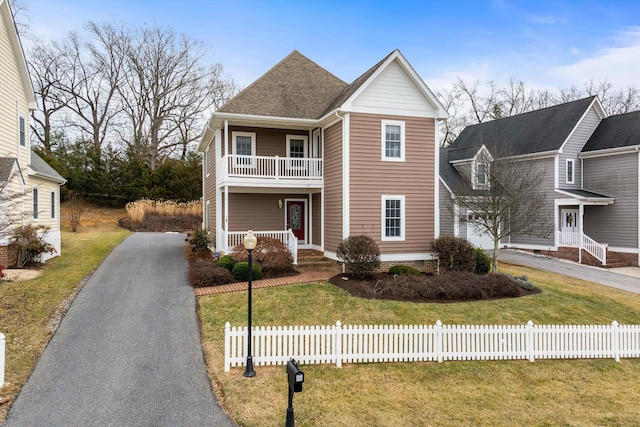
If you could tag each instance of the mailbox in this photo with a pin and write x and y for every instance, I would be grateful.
(296, 376)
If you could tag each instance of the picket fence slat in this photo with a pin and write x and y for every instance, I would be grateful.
(338, 344)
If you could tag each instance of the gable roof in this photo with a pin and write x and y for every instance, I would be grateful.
(534, 132)
(296, 87)
(618, 131)
(7, 164)
(12, 32)
(43, 170)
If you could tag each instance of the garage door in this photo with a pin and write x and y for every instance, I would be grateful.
(476, 236)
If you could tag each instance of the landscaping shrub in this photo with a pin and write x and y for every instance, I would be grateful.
(483, 261)
(272, 255)
(523, 281)
(360, 255)
(454, 254)
(28, 241)
(226, 261)
(199, 241)
(203, 272)
(241, 271)
(404, 270)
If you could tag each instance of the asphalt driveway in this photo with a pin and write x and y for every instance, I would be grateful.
(128, 351)
(629, 281)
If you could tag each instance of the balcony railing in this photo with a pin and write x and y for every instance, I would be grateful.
(272, 167)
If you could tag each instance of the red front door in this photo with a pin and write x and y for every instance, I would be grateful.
(296, 219)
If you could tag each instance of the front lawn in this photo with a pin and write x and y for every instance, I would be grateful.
(551, 392)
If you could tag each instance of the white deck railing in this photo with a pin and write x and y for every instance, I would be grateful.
(572, 240)
(235, 238)
(339, 344)
(271, 167)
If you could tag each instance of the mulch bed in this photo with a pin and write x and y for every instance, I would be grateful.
(448, 287)
(159, 223)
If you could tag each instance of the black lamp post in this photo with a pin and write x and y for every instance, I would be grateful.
(250, 242)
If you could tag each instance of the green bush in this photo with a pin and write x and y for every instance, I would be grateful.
(226, 261)
(241, 271)
(360, 255)
(454, 254)
(199, 241)
(404, 270)
(483, 262)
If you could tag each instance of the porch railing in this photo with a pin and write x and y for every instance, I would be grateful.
(272, 167)
(572, 240)
(234, 238)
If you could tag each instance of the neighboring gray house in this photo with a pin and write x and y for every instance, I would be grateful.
(591, 167)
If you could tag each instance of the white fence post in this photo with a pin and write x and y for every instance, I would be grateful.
(530, 348)
(227, 347)
(439, 349)
(337, 336)
(616, 340)
(2, 351)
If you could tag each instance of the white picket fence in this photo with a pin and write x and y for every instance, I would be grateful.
(337, 344)
(2, 353)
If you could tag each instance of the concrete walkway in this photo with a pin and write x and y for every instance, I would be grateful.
(628, 279)
(128, 351)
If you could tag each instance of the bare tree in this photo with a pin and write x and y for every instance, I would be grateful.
(505, 197)
(19, 10)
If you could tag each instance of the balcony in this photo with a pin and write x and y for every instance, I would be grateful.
(271, 171)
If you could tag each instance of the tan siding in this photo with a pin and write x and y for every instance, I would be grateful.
(370, 178)
(333, 187)
(210, 190)
(13, 101)
(45, 188)
(317, 219)
(269, 142)
(258, 211)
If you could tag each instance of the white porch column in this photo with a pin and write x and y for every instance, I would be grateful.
(226, 137)
(226, 213)
(218, 223)
(322, 219)
(580, 231)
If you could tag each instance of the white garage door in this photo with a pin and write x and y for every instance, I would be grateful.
(476, 236)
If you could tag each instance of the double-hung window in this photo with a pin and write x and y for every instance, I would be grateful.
(393, 143)
(296, 149)
(35, 203)
(53, 205)
(570, 171)
(244, 149)
(393, 218)
(481, 176)
(22, 122)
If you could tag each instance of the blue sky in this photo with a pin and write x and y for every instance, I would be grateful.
(547, 44)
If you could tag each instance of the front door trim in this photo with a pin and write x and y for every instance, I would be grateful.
(306, 217)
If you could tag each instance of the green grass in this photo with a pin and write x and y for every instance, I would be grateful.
(547, 392)
(26, 307)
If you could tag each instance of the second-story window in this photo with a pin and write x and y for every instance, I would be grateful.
(481, 176)
(23, 131)
(244, 144)
(393, 144)
(570, 171)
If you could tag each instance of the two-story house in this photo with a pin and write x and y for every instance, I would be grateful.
(307, 158)
(590, 164)
(30, 189)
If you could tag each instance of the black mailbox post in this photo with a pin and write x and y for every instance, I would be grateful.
(295, 377)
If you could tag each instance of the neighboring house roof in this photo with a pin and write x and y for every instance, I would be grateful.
(43, 170)
(296, 87)
(7, 165)
(12, 32)
(454, 181)
(618, 131)
(534, 132)
(587, 196)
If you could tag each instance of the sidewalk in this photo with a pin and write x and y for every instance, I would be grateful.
(627, 279)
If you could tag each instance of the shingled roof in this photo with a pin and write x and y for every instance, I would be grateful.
(528, 133)
(296, 87)
(6, 168)
(42, 168)
(618, 131)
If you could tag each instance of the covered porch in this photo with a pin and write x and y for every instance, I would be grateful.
(570, 222)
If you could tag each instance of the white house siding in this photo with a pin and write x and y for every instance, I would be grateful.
(547, 165)
(616, 176)
(573, 146)
(46, 217)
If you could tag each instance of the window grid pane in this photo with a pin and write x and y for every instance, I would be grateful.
(392, 141)
(296, 148)
(392, 218)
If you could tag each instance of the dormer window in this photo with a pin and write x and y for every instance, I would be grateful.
(481, 176)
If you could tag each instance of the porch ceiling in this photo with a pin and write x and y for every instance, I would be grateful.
(586, 197)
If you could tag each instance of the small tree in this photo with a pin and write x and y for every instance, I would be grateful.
(360, 255)
(507, 200)
(76, 208)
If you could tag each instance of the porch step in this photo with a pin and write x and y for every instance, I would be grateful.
(314, 259)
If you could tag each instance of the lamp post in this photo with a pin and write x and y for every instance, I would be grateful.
(250, 242)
